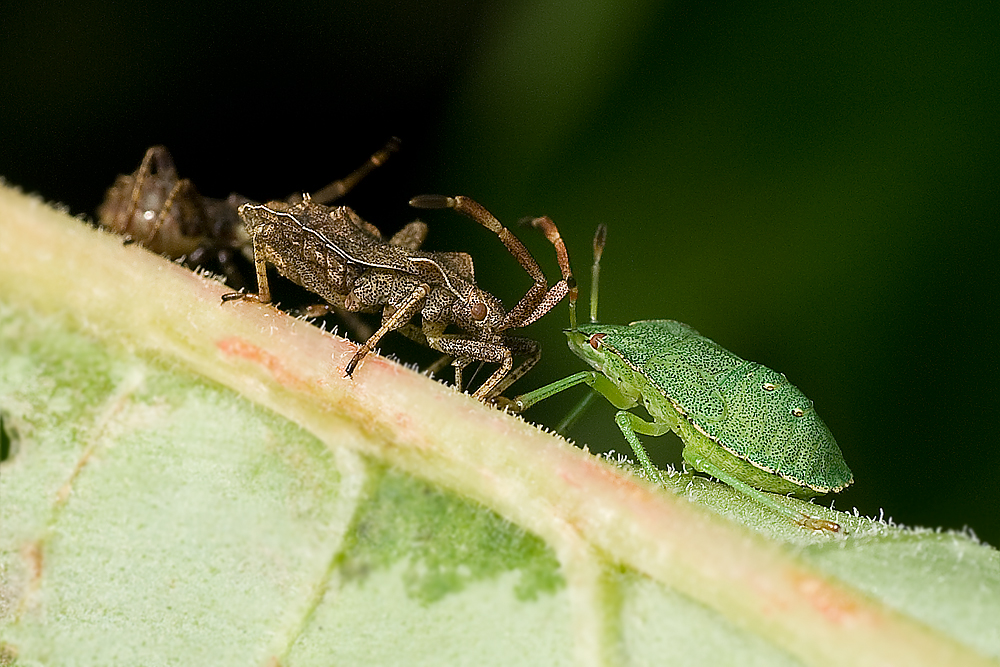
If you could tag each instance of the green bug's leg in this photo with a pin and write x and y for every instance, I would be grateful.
(595, 380)
(629, 424)
(801, 518)
(575, 413)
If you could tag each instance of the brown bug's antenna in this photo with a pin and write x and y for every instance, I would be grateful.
(540, 298)
(338, 189)
(555, 295)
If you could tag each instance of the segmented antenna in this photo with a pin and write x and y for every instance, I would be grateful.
(600, 238)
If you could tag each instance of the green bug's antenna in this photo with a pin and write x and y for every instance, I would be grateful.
(574, 294)
(600, 237)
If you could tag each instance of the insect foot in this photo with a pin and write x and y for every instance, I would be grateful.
(739, 421)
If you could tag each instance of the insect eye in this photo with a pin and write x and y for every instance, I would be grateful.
(478, 311)
(798, 412)
(767, 386)
(595, 340)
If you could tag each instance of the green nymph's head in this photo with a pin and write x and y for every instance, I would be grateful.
(585, 342)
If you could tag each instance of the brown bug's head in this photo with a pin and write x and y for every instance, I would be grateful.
(478, 311)
(262, 218)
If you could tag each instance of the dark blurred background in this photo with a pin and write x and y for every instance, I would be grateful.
(815, 188)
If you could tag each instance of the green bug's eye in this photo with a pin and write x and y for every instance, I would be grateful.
(767, 386)
(595, 340)
(798, 412)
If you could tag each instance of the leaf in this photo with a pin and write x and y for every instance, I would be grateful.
(188, 482)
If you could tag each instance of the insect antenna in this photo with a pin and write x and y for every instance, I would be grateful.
(573, 296)
(600, 238)
(338, 189)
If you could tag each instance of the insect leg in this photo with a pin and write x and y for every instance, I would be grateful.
(156, 161)
(263, 294)
(499, 381)
(466, 350)
(459, 366)
(260, 265)
(539, 299)
(593, 379)
(801, 518)
(410, 237)
(182, 186)
(575, 413)
(522, 347)
(629, 424)
(403, 314)
(417, 335)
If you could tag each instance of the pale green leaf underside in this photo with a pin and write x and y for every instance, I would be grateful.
(148, 516)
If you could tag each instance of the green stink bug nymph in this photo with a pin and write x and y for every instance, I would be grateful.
(740, 422)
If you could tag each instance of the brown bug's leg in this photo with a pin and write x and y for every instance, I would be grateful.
(433, 336)
(436, 367)
(416, 334)
(477, 212)
(765, 499)
(263, 294)
(338, 189)
(403, 314)
(410, 237)
(532, 353)
(459, 368)
(427, 335)
(156, 158)
(260, 266)
(517, 346)
(539, 299)
(180, 186)
(466, 350)
(486, 389)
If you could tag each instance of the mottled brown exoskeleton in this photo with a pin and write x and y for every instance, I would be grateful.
(167, 214)
(342, 258)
